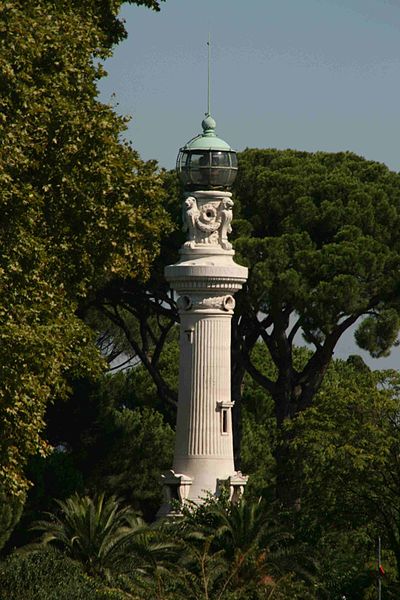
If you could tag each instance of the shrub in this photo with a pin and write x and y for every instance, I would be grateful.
(49, 575)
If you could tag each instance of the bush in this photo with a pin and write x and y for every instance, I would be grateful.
(49, 575)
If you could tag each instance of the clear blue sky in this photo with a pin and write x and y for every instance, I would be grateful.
(304, 74)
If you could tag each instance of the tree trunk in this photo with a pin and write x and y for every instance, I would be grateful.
(286, 491)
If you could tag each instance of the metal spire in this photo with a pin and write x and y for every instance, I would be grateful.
(208, 113)
(208, 124)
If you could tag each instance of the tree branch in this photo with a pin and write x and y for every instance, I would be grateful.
(165, 392)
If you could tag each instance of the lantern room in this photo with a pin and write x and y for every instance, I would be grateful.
(206, 162)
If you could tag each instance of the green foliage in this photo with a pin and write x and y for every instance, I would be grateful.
(258, 425)
(344, 470)
(230, 552)
(49, 575)
(109, 540)
(129, 451)
(116, 444)
(348, 436)
(257, 448)
(78, 207)
(320, 249)
(10, 513)
(320, 242)
(345, 454)
(99, 533)
(69, 179)
(247, 533)
(379, 333)
(344, 564)
(53, 476)
(143, 389)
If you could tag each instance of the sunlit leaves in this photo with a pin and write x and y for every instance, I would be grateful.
(78, 206)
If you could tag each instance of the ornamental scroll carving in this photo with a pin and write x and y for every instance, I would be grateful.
(226, 303)
(208, 223)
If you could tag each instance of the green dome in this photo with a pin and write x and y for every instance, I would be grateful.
(208, 139)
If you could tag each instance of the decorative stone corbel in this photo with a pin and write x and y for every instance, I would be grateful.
(176, 486)
(236, 484)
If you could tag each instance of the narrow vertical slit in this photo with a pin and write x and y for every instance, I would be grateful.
(224, 420)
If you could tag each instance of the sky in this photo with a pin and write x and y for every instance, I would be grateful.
(304, 74)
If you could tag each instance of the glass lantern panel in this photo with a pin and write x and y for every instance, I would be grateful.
(219, 177)
(220, 159)
(180, 160)
(234, 159)
(198, 159)
(231, 177)
(199, 177)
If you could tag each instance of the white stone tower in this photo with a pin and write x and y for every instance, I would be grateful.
(205, 278)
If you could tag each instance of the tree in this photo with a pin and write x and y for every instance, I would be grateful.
(124, 450)
(78, 207)
(111, 441)
(109, 540)
(144, 314)
(345, 450)
(231, 552)
(258, 430)
(343, 464)
(313, 230)
(321, 257)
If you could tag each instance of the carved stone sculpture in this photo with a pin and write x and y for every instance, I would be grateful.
(226, 219)
(190, 218)
(207, 222)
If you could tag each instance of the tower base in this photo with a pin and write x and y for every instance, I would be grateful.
(177, 488)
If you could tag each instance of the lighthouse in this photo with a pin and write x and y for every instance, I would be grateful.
(205, 279)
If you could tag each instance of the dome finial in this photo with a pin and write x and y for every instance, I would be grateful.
(208, 124)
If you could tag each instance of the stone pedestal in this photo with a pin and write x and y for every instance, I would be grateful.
(206, 277)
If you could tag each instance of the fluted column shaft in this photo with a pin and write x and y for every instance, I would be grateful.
(204, 423)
